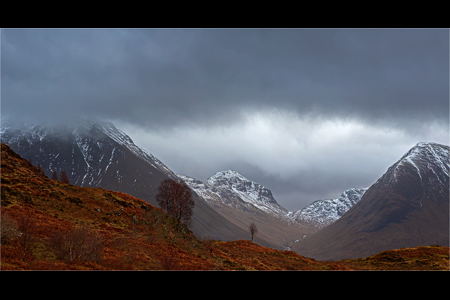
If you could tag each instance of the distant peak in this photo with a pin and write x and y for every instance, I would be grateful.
(424, 147)
(231, 172)
(228, 174)
(428, 144)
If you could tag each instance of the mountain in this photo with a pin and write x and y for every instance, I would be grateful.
(407, 206)
(322, 213)
(226, 186)
(242, 201)
(89, 140)
(97, 154)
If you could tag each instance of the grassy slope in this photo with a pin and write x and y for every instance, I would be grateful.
(138, 236)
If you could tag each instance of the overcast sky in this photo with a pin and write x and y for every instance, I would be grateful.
(306, 112)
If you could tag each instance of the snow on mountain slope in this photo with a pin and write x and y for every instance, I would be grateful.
(424, 158)
(232, 189)
(242, 201)
(123, 139)
(88, 150)
(89, 137)
(229, 188)
(407, 206)
(322, 213)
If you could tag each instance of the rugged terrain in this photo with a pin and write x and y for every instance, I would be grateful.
(322, 213)
(243, 201)
(131, 234)
(408, 206)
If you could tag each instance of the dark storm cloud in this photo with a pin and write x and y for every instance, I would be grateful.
(164, 77)
(306, 112)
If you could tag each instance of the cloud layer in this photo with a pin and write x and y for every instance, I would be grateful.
(299, 159)
(307, 112)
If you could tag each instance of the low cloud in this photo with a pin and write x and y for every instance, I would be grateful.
(289, 154)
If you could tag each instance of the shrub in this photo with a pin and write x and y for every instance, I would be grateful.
(9, 229)
(80, 244)
(168, 262)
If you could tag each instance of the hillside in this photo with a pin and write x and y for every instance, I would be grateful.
(122, 232)
(408, 206)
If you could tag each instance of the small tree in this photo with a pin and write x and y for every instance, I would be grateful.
(64, 177)
(55, 175)
(253, 229)
(176, 199)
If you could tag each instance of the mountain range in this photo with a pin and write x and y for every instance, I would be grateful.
(51, 225)
(408, 205)
(96, 154)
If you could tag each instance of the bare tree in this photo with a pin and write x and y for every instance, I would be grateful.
(176, 199)
(27, 230)
(55, 175)
(253, 229)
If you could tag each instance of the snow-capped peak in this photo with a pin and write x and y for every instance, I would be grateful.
(233, 189)
(422, 157)
(228, 177)
(249, 191)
